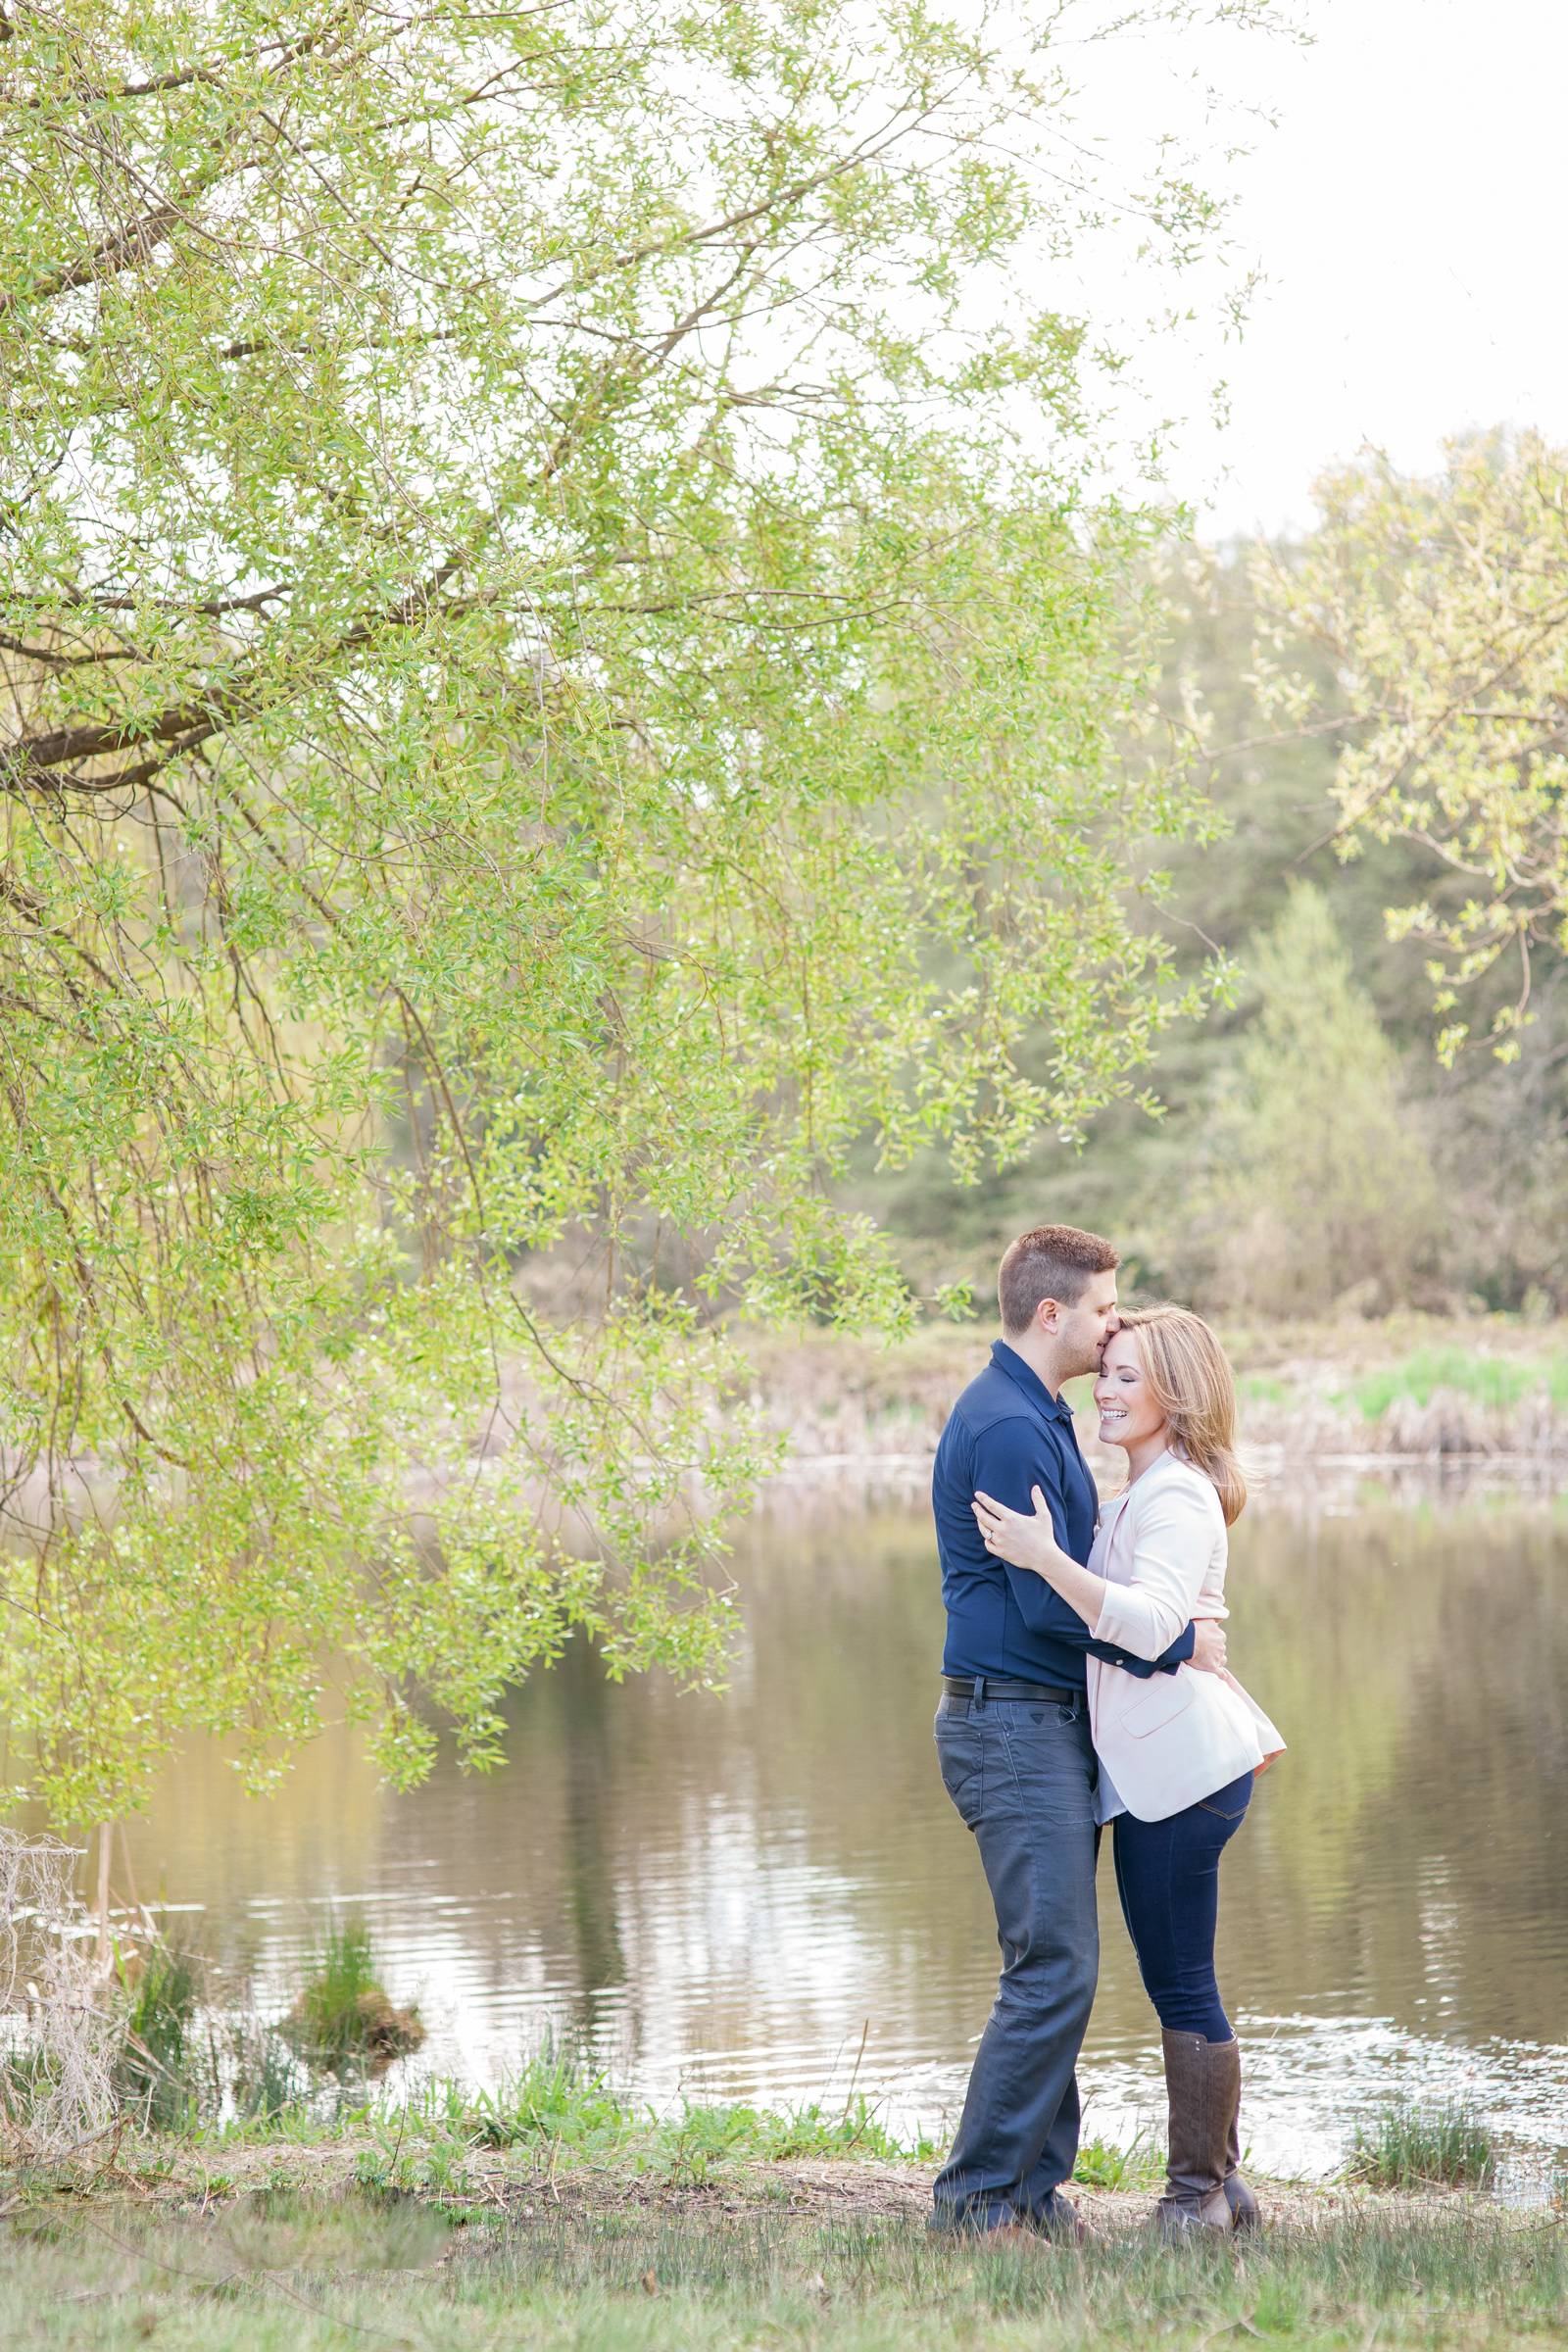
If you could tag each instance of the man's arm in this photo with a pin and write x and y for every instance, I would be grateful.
(1045, 1612)
(1009, 1472)
(1147, 1617)
(1180, 1650)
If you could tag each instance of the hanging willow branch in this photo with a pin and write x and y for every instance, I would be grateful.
(553, 674)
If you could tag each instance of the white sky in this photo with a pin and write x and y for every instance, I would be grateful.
(1410, 214)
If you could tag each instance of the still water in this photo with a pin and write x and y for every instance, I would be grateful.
(723, 1894)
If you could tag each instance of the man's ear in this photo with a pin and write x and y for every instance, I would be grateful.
(1047, 1314)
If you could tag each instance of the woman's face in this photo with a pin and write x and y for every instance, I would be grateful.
(1128, 1413)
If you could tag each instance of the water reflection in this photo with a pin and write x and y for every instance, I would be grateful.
(726, 1891)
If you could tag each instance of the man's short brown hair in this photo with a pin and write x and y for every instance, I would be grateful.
(1053, 1261)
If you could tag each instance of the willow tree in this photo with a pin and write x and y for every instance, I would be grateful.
(558, 670)
(1439, 609)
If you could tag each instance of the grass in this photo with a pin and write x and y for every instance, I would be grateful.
(1403, 2146)
(559, 2106)
(551, 2213)
(286, 2265)
(152, 2078)
(1102, 2165)
(1495, 1383)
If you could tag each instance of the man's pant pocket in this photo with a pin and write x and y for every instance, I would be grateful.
(959, 1754)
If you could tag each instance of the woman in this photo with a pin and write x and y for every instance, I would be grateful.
(1178, 1754)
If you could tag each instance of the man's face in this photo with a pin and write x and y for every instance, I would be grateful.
(1082, 1331)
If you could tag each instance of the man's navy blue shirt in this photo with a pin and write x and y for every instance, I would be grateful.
(1006, 1434)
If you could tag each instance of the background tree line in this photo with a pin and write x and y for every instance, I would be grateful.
(1329, 1135)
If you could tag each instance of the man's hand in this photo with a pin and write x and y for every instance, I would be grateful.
(1208, 1645)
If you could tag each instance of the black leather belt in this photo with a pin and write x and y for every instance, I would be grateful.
(983, 1686)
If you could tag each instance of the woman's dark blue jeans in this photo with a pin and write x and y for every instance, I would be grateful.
(1167, 1874)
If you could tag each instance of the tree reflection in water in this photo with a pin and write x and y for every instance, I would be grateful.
(724, 1888)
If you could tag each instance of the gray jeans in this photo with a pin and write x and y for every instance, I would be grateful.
(1022, 1775)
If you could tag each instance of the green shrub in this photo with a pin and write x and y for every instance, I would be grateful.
(27, 2077)
(704, 2136)
(554, 2096)
(268, 2080)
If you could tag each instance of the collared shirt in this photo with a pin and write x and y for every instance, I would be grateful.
(1005, 1435)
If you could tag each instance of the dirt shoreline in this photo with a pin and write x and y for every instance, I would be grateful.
(202, 2177)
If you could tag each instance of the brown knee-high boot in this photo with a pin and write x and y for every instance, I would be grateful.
(1202, 2084)
(1244, 2214)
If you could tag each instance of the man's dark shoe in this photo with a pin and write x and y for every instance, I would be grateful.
(1016, 2237)
(1062, 2222)
(1057, 2224)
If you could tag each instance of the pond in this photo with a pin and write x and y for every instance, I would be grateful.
(767, 1894)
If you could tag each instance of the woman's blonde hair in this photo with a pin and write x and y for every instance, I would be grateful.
(1190, 1379)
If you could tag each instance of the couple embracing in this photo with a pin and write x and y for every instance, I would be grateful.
(1084, 1682)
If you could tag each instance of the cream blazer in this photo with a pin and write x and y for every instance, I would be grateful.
(1166, 1742)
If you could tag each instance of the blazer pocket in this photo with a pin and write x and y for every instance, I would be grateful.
(1158, 1706)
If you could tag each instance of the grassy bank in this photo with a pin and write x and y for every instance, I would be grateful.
(288, 2241)
(553, 2213)
(1408, 1385)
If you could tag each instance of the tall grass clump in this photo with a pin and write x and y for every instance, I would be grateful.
(555, 2095)
(344, 2020)
(269, 2080)
(703, 2136)
(1445, 2144)
(152, 2076)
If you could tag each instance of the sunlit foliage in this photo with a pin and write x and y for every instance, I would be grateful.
(1439, 607)
(557, 671)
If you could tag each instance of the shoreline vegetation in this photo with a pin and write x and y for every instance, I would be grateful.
(1410, 1387)
(469, 2223)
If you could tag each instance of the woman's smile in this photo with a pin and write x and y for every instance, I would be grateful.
(1129, 1414)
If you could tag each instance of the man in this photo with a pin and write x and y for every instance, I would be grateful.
(1013, 1730)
